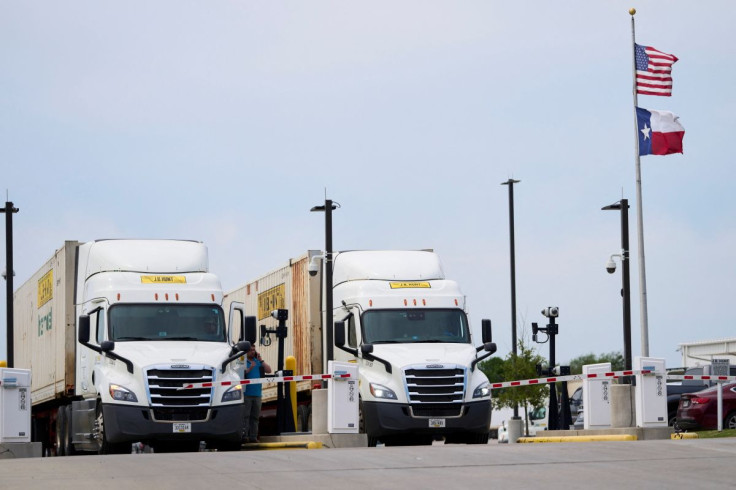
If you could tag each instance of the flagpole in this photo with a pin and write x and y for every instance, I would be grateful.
(639, 213)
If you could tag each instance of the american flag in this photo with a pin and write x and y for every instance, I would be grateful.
(653, 71)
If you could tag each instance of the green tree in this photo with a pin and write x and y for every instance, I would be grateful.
(615, 358)
(523, 365)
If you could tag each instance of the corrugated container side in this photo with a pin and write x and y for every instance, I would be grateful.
(292, 288)
(44, 336)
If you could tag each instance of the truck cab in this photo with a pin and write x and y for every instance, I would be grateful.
(151, 321)
(407, 328)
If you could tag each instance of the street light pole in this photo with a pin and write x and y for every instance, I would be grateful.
(623, 206)
(511, 183)
(328, 208)
(9, 273)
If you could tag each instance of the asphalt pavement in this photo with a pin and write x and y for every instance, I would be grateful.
(691, 464)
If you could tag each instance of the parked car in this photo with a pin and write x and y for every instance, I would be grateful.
(676, 390)
(700, 410)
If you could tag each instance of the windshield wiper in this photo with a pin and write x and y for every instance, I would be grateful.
(132, 338)
(179, 338)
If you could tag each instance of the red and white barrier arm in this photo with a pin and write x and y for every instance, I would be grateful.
(569, 377)
(614, 374)
(701, 376)
(273, 379)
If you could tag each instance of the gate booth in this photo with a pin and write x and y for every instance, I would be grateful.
(651, 392)
(15, 405)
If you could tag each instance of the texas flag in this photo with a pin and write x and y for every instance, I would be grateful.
(660, 132)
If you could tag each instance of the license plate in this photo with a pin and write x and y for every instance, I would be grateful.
(181, 427)
(435, 423)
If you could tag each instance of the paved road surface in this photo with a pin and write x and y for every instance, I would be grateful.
(690, 464)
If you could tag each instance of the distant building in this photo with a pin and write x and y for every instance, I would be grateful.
(704, 351)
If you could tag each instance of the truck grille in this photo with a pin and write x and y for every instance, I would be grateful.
(434, 385)
(170, 403)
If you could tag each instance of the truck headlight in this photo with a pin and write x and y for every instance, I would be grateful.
(483, 390)
(233, 394)
(122, 394)
(380, 391)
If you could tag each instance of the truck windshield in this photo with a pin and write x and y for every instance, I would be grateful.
(130, 322)
(411, 326)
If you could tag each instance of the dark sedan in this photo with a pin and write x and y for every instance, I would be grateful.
(700, 410)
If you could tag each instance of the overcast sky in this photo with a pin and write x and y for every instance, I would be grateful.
(226, 121)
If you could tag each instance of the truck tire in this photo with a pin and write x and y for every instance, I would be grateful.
(302, 412)
(372, 441)
(60, 429)
(103, 446)
(68, 436)
(478, 438)
(730, 421)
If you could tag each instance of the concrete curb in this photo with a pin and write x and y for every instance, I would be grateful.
(611, 437)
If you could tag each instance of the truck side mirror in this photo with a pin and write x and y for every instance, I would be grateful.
(243, 346)
(490, 347)
(366, 348)
(486, 330)
(107, 346)
(339, 334)
(249, 330)
(83, 329)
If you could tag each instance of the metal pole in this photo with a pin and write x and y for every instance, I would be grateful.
(553, 418)
(719, 407)
(328, 278)
(639, 214)
(511, 183)
(9, 273)
(626, 290)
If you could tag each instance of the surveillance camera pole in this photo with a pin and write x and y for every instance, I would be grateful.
(9, 273)
(623, 206)
(328, 207)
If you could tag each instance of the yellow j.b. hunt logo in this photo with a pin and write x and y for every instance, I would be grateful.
(409, 284)
(163, 279)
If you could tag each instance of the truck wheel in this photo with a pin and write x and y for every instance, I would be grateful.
(103, 446)
(730, 422)
(478, 438)
(68, 434)
(302, 412)
(372, 441)
(60, 429)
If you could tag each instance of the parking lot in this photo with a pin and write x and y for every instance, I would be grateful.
(688, 464)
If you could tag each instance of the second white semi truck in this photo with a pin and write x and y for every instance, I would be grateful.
(111, 329)
(402, 322)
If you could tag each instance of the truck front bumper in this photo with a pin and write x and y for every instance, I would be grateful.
(395, 419)
(130, 423)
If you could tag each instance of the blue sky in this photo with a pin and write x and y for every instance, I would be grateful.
(226, 121)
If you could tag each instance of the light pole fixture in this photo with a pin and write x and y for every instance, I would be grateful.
(327, 208)
(623, 206)
(511, 183)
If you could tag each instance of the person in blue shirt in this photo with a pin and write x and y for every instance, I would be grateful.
(255, 367)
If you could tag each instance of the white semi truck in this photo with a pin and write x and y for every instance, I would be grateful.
(111, 329)
(406, 327)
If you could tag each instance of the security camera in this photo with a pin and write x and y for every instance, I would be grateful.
(551, 312)
(314, 265)
(611, 266)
